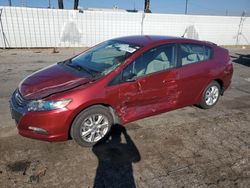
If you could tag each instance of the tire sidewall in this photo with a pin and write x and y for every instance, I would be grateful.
(76, 126)
(203, 103)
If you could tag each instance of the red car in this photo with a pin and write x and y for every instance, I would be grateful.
(119, 81)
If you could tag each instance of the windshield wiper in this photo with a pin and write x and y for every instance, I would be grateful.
(78, 67)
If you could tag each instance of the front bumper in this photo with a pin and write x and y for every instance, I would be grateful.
(55, 122)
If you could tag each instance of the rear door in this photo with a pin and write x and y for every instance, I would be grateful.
(194, 73)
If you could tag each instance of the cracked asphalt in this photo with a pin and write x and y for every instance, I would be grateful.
(189, 147)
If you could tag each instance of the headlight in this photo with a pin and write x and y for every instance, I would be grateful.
(41, 105)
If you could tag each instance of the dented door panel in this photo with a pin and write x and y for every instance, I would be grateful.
(148, 95)
(159, 92)
(129, 100)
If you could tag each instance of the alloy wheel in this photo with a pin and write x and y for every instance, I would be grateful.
(94, 128)
(212, 95)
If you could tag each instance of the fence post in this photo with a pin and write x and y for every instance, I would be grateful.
(142, 22)
(4, 37)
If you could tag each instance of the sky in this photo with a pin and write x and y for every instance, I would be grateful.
(206, 7)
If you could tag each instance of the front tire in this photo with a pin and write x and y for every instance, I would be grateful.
(211, 95)
(92, 125)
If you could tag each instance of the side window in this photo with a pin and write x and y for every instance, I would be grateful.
(155, 60)
(192, 53)
(129, 72)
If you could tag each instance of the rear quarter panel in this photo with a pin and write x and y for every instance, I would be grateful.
(220, 69)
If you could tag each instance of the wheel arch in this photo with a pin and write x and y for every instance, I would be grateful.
(221, 83)
(109, 107)
(218, 80)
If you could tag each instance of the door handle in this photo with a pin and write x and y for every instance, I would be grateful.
(139, 87)
(168, 81)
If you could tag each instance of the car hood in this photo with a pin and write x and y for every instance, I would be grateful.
(50, 80)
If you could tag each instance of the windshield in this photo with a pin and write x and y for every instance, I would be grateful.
(104, 57)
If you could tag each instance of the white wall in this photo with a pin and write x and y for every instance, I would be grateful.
(33, 27)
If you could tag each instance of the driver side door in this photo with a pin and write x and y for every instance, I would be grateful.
(150, 83)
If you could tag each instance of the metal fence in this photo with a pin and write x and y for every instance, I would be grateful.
(22, 27)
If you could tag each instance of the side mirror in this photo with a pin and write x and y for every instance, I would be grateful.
(129, 77)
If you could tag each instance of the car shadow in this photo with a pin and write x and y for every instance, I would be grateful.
(115, 160)
(243, 59)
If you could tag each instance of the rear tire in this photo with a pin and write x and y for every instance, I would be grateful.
(210, 95)
(92, 126)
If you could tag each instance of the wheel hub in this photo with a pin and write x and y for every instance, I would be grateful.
(94, 127)
(212, 95)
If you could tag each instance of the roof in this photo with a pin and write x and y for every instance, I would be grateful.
(145, 40)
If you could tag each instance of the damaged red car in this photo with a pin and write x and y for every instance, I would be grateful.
(119, 81)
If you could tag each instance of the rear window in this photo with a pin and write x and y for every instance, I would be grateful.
(192, 53)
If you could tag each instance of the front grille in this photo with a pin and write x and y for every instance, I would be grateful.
(19, 99)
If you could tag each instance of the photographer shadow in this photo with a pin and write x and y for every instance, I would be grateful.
(115, 160)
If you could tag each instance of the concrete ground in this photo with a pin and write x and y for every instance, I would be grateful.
(189, 147)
